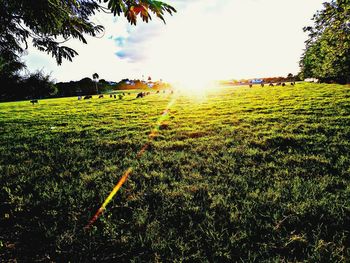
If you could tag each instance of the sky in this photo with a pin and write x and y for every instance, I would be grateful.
(205, 39)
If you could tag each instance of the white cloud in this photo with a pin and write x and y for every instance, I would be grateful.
(205, 39)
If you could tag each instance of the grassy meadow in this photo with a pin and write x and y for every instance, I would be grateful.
(246, 174)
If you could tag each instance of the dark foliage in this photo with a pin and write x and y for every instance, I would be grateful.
(33, 86)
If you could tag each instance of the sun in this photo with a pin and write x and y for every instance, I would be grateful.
(194, 87)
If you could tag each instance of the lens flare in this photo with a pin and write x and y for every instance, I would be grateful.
(127, 173)
(109, 198)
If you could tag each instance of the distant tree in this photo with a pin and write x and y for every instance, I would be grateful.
(95, 76)
(327, 53)
(86, 85)
(37, 85)
(49, 24)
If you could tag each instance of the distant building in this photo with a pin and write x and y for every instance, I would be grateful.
(256, 81)
(311, 80)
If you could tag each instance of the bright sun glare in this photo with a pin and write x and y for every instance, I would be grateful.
(194, 87)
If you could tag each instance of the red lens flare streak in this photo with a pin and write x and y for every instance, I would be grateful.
(128, 172)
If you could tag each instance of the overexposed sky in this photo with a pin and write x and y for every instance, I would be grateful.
(206, 39)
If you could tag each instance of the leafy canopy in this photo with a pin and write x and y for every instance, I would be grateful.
(50, 23)
(327, 54)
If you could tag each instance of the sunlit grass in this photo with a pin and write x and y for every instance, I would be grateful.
(244, 174)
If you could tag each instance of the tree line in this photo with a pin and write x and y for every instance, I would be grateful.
(39, 85)
(289, 78)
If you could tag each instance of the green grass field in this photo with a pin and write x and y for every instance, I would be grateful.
(257, 174)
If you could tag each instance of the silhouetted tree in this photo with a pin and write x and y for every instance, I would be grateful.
(37, 85)
(95, 76)
(290, 77)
